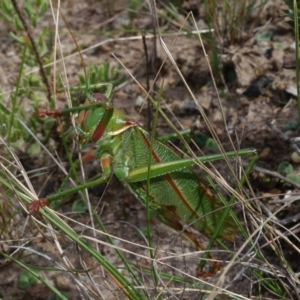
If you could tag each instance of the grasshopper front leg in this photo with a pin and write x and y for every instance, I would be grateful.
(35, 206)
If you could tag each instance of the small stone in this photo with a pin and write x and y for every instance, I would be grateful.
(295, 158)
(10, 53)
(139, 101)
(63, 282)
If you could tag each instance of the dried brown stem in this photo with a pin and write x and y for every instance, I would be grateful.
(34, 47)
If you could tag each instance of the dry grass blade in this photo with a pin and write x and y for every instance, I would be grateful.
(218, 69)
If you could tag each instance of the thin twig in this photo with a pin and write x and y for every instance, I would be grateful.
(286, 221)
(34, 47)
(285, 200)
(289, 220)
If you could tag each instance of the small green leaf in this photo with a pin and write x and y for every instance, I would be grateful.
(42, 47)
(290, 126)
(211, 145)
(293, 177)
(7, 6)
(34, 149)
(18, 144)
(26, 280)
(285, 168)
(17, 22)
(19, 39)
(33, 19)
(264, 37)
(115, 73)
(79, 206)
(43, 8)
(200, 139)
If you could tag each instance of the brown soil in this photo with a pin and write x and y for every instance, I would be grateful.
(259, 92)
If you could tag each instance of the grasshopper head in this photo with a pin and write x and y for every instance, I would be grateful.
(90, 120)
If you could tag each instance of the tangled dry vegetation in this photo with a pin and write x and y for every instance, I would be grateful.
(253, 104)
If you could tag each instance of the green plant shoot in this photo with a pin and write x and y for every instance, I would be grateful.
(176, 195)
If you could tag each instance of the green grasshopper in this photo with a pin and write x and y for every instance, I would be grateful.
(175, 194)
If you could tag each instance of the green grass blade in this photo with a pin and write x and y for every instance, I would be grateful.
(36, 275)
